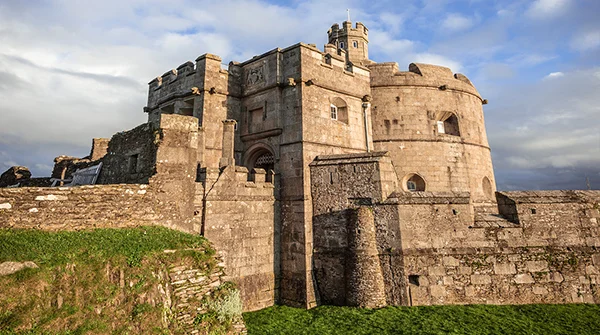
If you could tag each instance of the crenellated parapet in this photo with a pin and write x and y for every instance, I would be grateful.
(354, 41)
(420, 75)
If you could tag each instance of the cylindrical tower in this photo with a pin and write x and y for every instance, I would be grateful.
(431, 122)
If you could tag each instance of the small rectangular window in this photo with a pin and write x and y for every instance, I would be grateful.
(334, 112)
(133, 163)
(440, 127)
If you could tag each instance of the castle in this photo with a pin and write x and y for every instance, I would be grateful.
(325, 178)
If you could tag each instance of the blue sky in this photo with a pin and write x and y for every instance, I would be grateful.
(73, 70)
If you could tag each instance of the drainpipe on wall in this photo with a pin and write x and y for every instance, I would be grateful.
(365, 105)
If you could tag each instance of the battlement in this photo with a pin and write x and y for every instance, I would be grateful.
(347, 30)
(179, 82)
(440, 77)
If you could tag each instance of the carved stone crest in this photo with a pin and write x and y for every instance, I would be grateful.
(255, 76)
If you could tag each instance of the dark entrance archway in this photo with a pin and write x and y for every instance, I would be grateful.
(261, 157)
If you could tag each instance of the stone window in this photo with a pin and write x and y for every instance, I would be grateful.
(414, 279)
(414, 183)
(448, 124)
(342, 45)
(334, 112)
(486, 186)
(355, 44)
(133, 163)
(188, 108)
(338, 110)
(169, 109)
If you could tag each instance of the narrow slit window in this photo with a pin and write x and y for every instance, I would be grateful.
(133, 163)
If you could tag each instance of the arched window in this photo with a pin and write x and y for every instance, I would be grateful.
(342, 45)
(414, 183)
(355, 44)
(338, 110)
(448, 124)
(486, 186)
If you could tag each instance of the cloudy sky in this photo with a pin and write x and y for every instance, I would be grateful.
(72, 70)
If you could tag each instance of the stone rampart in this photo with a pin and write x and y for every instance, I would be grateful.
(239, 217)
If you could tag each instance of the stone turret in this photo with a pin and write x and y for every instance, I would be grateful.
(354, 41)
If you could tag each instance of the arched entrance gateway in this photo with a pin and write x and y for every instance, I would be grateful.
(261, 157)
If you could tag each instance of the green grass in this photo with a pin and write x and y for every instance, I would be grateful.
(107, 279)
(471, 319)
(59, 248)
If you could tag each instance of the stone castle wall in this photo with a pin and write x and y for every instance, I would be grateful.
(406, 109)
(433, 248)
(240, 221)
(83, 207)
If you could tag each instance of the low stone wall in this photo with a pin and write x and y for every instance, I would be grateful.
(81, 207)
(544, 251)
(503, 276)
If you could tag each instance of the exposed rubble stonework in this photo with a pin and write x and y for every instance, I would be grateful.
(323, 177)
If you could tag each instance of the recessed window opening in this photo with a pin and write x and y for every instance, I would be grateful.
(486, 186)
(170, 109)
(533, 211)
(448, 125)
(342, 45)
(355, 44)
(188, 108)
(414, 183)
(338, 110)
(133, 163)
(413, 279)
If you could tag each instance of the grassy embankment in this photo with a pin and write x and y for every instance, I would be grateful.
(99, 282)
(473, 319)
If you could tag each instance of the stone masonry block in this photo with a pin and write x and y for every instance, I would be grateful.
(480, 279)
(537, 266)
(504, 268)
(450, 261)
(437, 271)
(524, 278)
(438, 291)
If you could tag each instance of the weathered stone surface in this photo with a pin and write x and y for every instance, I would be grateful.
(14, 175)
(480, 279)
(8, 268)
(504, 268)
(524, 278)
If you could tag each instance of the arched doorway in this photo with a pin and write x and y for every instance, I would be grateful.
(260, 157)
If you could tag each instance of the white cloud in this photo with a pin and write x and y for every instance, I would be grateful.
(456, 22)
(554, 75)
(541, 9)
(584, 41)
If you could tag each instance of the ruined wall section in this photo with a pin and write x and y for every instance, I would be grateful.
(406, 109)
(239, 220)
(547, 254)
(131, 157)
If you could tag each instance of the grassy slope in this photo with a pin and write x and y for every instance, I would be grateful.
(473, 319)
(106, 280)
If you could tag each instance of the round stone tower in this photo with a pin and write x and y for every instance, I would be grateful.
(431, 122)
(355, 41)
